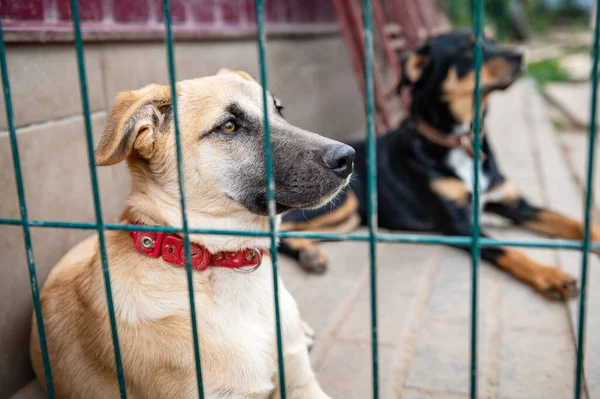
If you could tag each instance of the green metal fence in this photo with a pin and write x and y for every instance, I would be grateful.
(475, 242)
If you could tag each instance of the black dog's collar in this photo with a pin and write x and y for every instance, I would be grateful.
(445, 139)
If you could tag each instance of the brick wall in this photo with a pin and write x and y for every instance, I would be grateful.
(49, 20)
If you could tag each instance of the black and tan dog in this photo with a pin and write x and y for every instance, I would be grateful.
(425, 167)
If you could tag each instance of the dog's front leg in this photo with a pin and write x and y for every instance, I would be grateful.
(453, 217)
(300, 380)
(544, 221)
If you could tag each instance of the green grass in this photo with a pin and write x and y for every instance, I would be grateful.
(546, 71)
(540, 19)
(559, 124)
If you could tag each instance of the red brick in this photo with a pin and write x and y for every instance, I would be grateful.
(250, 11)
(178, 12)
(131, 10)
(20, 9)
(308, 10)
(273, 10)
(294, 11)
(230, 10)
(203, 10)
(326, 13)
(89, 10)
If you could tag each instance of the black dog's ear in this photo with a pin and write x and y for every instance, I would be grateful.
(133, 124)
(412, 66)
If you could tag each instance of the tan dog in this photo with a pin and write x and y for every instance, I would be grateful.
(222, 142)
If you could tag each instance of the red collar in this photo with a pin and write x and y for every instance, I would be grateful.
(172, 250)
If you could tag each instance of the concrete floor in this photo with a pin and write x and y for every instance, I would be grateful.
(527, 345)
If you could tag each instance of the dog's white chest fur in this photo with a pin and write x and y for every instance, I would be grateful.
(462, 164)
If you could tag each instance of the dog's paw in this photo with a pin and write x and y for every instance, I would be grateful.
(309, 335)
(556, 284)
(313, 261)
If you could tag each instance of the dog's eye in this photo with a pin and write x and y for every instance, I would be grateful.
(228, 127)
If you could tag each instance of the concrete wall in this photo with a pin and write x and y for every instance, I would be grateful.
(311, 76)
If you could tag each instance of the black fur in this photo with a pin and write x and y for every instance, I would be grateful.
(408, 162)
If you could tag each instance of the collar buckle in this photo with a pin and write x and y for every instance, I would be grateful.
(171, 248)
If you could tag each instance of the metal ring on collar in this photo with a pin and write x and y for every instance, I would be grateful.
(257, 252)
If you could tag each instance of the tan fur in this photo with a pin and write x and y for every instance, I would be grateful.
(459, 91)
(549, 281)
(557, 225)
(451, 189)
(505, 193)
(414, 66)
(234, 311)
(340, 214)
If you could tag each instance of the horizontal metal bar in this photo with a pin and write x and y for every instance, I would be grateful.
(381, 237)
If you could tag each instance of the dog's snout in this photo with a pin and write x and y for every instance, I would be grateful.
(340, 159)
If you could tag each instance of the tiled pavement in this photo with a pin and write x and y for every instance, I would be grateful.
(527, 348)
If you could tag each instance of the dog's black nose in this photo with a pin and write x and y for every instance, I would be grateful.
(340, 159)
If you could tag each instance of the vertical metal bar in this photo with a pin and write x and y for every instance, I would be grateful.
(96, 194)
(24, 219)
(181, 179)
(475, 232)
(270, 183)
(587, 220)
(371, 185)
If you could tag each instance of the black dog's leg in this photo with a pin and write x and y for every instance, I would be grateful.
(306, 253)
(540, 220)
(339, 218)
(454, 218)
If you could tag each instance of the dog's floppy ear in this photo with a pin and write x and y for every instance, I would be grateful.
(412, 65)
(133, 124)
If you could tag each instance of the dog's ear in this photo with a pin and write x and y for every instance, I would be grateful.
(412, 65)
(133, 124)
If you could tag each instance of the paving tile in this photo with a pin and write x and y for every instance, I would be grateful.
(399, 273)
(578, 66)
(536, 365)
(319, 299)
(392, 309)
(413, 394)
(450, 300)
(348, 260)
(524, 309)
(346, 372)
(567, 198)
(453, 280)
(441, 358)
(573, 99)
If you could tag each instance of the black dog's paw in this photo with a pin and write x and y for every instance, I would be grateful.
(313, 261)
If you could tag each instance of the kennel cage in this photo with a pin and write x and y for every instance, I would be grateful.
(475, 242)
